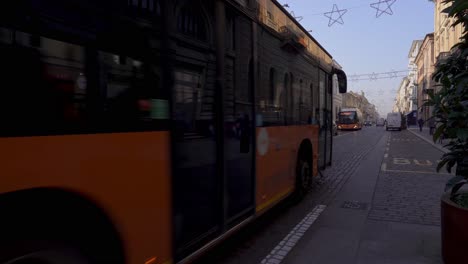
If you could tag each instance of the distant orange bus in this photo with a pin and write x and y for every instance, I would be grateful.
(350, 119)
(144, 132)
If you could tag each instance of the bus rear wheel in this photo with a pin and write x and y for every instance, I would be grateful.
(43, 252)
(303, 177)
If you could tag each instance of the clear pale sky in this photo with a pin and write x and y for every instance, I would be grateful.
(366, 44)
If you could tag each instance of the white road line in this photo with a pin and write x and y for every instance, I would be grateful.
(423, 172)
(383, 167)
(386, 155)
(387, 149)
(282, 249)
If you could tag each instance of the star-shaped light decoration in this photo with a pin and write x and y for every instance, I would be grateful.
(339, 19)
(393, 74)
(374, 76)
(354, 78)
(387, 7)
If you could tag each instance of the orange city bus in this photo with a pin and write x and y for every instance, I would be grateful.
(141, 131)
(350, 119)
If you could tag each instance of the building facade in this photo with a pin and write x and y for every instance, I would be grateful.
(356, 100)
(405, 101)
(412, 88)
(425, 63)
(445, 35)
(401, 102)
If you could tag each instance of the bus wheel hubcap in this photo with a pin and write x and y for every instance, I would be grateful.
(305, 175)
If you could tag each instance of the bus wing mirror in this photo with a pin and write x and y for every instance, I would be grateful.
(342, 80)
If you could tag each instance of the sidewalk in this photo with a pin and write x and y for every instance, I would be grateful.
(424, 135)
(385, 214)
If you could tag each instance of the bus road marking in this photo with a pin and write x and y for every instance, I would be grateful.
(404, 161)
(277, 255)
(420, 172)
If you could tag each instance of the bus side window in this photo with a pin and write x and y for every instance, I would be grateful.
(46, 84)
(132, 96)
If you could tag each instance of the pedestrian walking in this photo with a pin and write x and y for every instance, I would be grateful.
(431, 126)
(420, 123)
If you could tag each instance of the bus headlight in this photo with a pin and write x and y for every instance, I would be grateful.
(355, 126)
(339, 127)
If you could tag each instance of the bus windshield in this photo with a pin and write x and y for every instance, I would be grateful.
(347, 117)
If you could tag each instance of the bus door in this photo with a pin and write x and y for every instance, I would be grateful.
(213, 150)
(323, 119)
(197, 185)
(329, 120)
(207, 202)
(239, 147)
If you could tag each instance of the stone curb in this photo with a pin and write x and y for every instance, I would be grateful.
(430, 142)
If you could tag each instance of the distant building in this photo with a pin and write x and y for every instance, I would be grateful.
(425, 62)
(401, 103)
(406, 98)
(412, 86)
(355, 100)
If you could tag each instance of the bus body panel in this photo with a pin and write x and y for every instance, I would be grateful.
(276, 157)
(101, 167)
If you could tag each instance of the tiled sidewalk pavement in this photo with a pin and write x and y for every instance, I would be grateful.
(424, 135)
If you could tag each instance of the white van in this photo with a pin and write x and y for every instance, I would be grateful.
(394, 121)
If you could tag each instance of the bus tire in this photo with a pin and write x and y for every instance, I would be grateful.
(303, 176)
(42, 251)
(54, 226)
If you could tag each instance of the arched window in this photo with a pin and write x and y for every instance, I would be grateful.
(291, 100)
(285, 90)
(158, 7)
(230, 32)
(145, 6)
(312, 95)
(301, 92)
(272, 85)
(190, 22)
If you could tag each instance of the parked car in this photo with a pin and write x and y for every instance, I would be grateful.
(367, 123)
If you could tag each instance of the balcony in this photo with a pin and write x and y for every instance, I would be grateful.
(443, 56)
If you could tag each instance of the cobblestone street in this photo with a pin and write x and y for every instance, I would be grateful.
(378, 203)
(408, 187)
